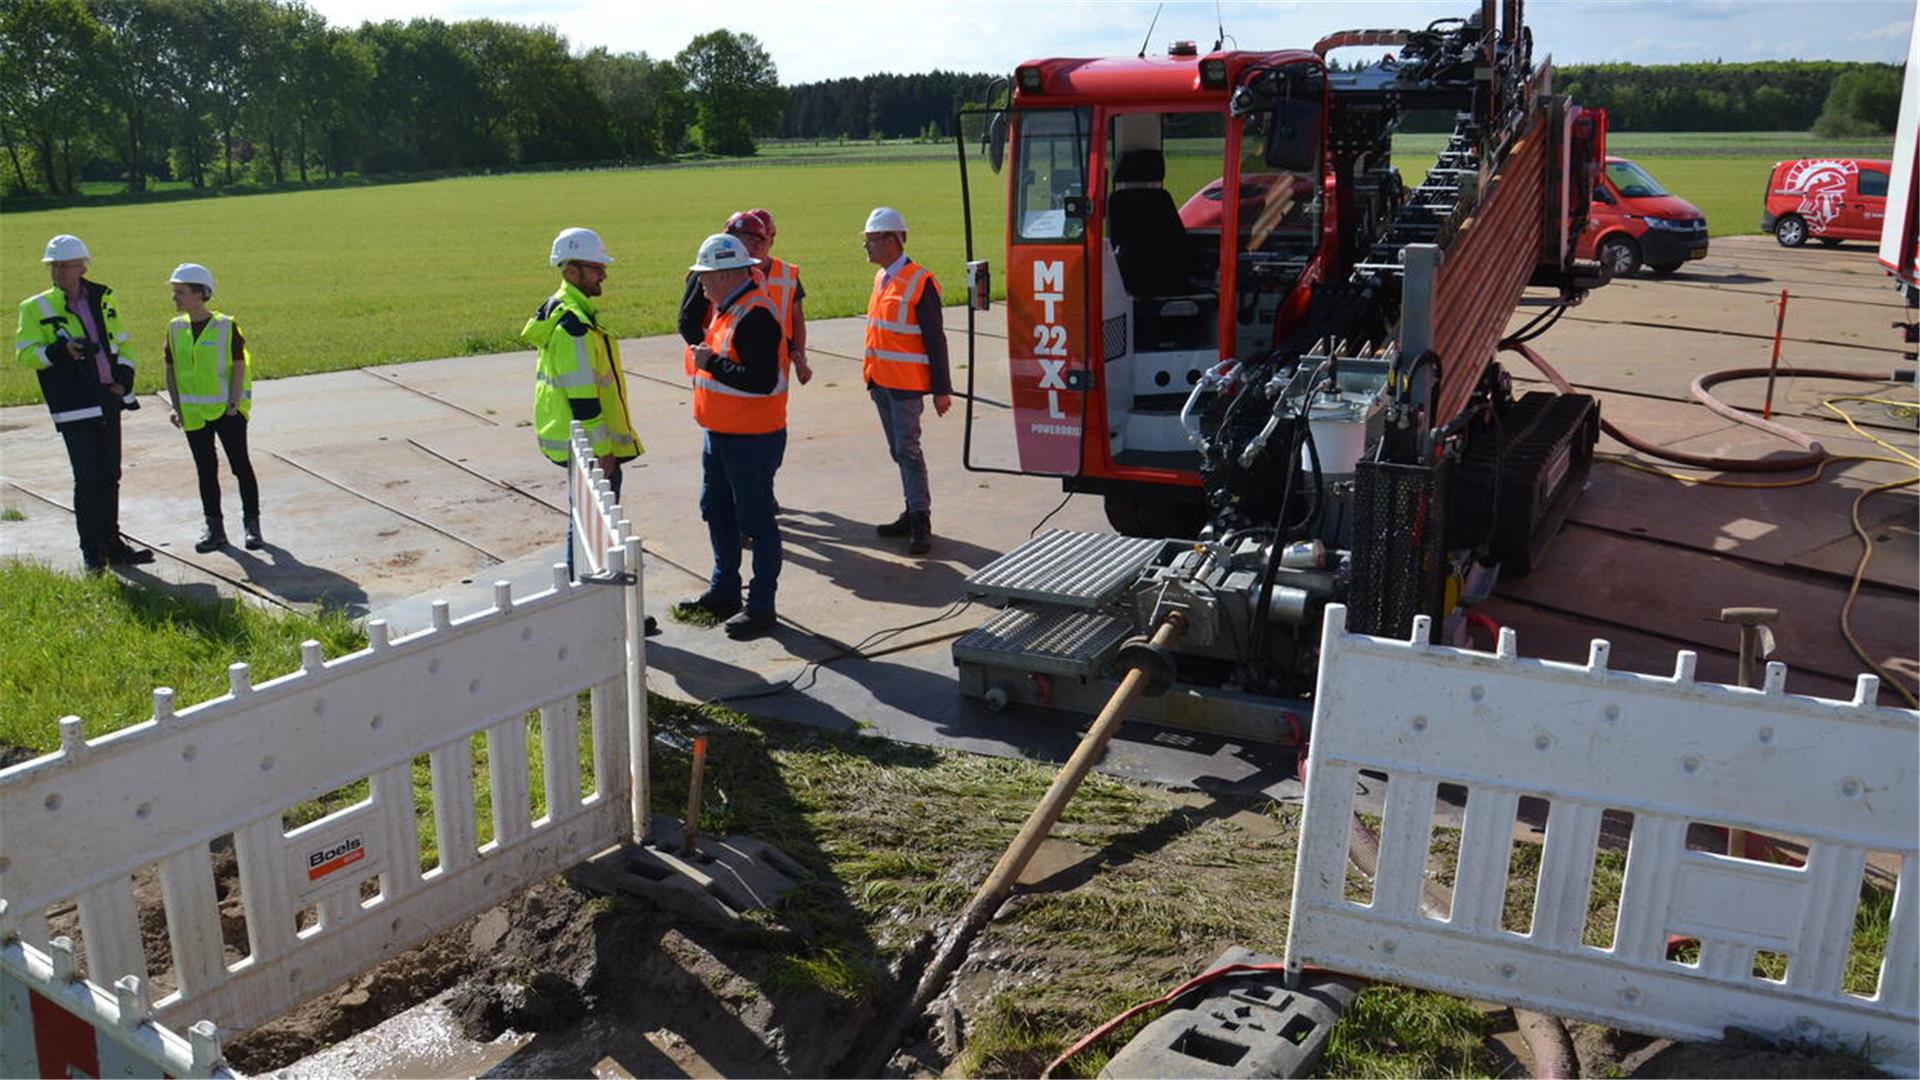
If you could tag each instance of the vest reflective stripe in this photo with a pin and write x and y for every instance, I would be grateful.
(782, 280)
(728, 409)
(570, 370)
(46, 306)
(570, 379)
(203, 370)
(896, 351)
(87, 413)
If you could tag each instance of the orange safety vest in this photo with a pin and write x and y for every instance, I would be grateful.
(725, 409)
(781, 280)
(896, 355)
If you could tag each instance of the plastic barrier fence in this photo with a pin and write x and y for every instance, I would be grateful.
(53, 1023)
(1702, 940)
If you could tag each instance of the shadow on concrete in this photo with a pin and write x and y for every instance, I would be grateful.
(276, 570)
(848, 555)
(1705, 278)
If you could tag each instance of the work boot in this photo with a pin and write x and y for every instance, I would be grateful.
(651, 628)
(751, 623)
(212, 539)
(126, 554)
(252, 527)
(900, 526)
(709, 605)
(920, 528)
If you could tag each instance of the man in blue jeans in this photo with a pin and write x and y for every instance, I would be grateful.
(740, 400)
(905, 362)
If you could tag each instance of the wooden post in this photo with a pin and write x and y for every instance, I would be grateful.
(691, 840)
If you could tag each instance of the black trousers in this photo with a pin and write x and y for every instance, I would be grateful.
(232, 433)
(93, 448)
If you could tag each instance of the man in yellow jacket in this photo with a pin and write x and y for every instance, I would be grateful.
(578, 375)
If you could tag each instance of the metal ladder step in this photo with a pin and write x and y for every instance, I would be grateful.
(1057, 641)
(1065, 567)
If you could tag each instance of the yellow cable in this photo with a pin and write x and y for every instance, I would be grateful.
(1853, 591)
(1866, 540)
(1842, 414)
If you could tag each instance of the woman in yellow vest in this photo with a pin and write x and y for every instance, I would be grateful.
(210, 379)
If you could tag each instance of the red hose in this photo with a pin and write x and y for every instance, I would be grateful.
(1812, 455)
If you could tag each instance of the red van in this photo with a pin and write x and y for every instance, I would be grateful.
(1634, 222)
(1828, 199)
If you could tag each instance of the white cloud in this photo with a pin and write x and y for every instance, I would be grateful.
(1893, 31)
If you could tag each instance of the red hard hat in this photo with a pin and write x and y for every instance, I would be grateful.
(766, 218)
(750, 221)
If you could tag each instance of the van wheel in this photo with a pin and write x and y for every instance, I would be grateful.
(1620, 255)
(1830, 241)
(1663, 269)
(1790, 230)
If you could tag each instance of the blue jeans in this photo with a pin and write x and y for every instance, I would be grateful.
(736, 499)
(900, 419)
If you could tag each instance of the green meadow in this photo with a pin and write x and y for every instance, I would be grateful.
(324, 280)
(344, 277)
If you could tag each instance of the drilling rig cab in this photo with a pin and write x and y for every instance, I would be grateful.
(1284, 387)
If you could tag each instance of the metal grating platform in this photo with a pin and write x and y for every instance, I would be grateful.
(1072, 569)
(1056, 641)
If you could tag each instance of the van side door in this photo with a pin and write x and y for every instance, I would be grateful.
(1867, 203)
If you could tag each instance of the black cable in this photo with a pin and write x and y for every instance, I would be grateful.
(810, 671)
(1536, 326)
(1061, 506)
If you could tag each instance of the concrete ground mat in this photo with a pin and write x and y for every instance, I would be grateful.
(386, 487)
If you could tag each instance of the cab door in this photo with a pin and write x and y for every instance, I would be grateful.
(1026, 392)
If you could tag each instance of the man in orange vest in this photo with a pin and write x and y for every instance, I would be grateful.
(780, 280)
(740, 401)
(906, 359)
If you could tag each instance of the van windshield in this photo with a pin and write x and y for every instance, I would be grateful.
(1632, 180)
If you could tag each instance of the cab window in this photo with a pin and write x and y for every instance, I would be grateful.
(1052, 186)
(1873, 182)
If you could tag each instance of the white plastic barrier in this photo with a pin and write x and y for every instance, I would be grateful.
(78, 824)
(592, 512)
(1668, 751)
(53, 1023)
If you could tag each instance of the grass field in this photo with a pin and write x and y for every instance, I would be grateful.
(344, 277)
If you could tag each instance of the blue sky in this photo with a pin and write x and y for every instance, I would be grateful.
(813, 41)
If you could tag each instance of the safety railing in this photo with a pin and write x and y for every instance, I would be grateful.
(323, 900)
(1817, 795)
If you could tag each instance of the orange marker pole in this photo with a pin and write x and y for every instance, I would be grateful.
(1779, 326)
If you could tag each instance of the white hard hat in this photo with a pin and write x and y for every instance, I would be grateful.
(579, 245)
(722, 251)
(193, 274)
(64, 247)
(886, 219)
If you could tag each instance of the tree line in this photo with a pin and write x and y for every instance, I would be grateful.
(1830, 97)
(212, 92)
(219, 92)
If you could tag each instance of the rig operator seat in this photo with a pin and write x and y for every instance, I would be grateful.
(1155, 255)
(1149, 241)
